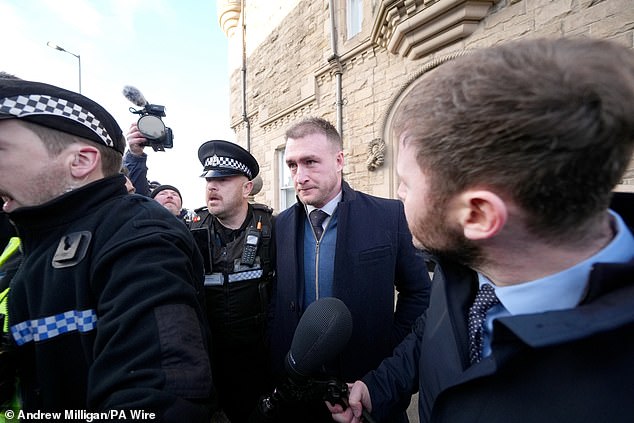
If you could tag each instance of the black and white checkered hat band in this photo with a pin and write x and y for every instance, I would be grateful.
(36, 104)
(227, 163)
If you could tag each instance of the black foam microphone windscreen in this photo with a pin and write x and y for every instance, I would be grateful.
(322, 332)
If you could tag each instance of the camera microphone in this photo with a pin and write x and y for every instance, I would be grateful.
(134, 96)
(150, 123)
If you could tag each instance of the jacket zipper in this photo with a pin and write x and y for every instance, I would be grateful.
(317, 271)
(318, 242)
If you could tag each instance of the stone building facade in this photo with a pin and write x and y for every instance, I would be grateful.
(350, 61)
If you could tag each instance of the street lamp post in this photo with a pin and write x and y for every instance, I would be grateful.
(56, 47)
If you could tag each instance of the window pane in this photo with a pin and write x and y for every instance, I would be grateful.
(287, 190)
(354, 17)
(289, 198)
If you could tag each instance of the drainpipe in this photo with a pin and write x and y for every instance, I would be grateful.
(336, 64)
(243, 70)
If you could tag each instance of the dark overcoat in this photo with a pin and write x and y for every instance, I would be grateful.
(374, 260)
(572, 365)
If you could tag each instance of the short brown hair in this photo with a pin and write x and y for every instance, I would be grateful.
(548, 122)
(315, 125)
(55, 142)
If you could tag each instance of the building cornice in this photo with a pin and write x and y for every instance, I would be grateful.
(416, 28)
(228, 15)
(292, 112)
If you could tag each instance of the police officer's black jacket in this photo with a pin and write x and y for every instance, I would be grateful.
(105, 310)
(237, 297)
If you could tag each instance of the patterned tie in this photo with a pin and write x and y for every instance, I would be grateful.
(484, 300)
(317, 218)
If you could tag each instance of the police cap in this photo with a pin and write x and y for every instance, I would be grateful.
(223, 158)
(59, 109)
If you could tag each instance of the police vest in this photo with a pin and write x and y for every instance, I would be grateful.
(223, 262)
(237, 295)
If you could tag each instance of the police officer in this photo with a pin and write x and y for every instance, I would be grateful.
(235, 238)
(107, 291)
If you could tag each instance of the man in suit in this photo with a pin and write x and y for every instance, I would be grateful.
(360, 252)
(507, 160)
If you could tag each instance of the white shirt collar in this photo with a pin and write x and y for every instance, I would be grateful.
(329, 208)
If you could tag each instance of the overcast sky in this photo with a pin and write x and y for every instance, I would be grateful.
(173, 51)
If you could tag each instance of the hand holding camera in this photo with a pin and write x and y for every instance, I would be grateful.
(150, 125)
(136, 140)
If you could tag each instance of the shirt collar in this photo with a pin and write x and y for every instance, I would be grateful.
(565, 289)
(329, 208)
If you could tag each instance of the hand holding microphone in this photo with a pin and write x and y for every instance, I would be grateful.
(321, 334)
(357, 407)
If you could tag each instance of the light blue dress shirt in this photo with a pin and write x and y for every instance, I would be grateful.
(560, 291)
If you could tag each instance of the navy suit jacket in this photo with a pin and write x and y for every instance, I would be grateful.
(573, 365)
(374, 256)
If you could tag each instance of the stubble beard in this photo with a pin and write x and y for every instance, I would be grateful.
(433, 233)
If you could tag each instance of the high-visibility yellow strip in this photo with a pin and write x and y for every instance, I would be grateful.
(12, 247)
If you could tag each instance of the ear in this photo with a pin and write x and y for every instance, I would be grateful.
(340, 161)
(246, 188)
(481, 213)
(86, 161)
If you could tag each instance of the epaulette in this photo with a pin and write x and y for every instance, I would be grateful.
(199, 209)
(263, 207)
(197, 216)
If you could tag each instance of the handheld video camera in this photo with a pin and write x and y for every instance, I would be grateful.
(150, 123)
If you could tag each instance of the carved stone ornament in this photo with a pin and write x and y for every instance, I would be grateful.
(416, 28)
(376, 154)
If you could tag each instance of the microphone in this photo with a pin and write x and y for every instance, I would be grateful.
(150, 124)
(134, 95)
(322, 332)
